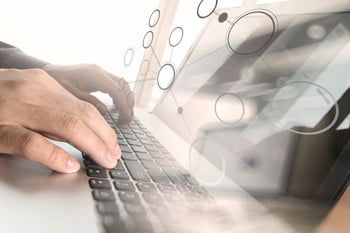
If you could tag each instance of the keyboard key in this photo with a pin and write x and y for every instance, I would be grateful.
(152, 197)
(130, 136)
(151, 147)
(134, 142)
(128, 196)
(145, 140)
(103, 195)
(96, 172)
(119, 166)
(124, 148)
(163, 163)
(157, 155)
(139, 149)
(89, 162)
(160, 210)
(124, 185)
(144, 156)
(120, 175)
(158, 176)
(146, 187)
(128, 156)
(113, 224)
(99, 184)
(137, 171)
(104, 207)
(183, 189)
(167, 188)
(134, 209)
(150, 165)
(122, 141)
(174, 175)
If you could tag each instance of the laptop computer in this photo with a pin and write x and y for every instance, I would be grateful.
(247, 160)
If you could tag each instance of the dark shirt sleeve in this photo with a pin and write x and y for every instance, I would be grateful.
(12, 57)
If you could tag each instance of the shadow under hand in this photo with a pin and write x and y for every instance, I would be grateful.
(27, 176)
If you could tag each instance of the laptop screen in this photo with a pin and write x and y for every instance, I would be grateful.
(263, 94)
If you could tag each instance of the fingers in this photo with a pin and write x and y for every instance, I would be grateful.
(89, 78)
(80, 117)
(120, 100)
(125, 88)
(33, 146)
(86, 97)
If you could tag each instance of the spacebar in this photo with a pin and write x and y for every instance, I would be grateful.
(137, 172)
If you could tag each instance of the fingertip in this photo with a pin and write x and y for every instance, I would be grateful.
(72, 165)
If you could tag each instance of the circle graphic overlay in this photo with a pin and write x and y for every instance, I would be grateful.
(229, 108)
(299, 106)
(176, 36)
(128, 56)
(144, 68)
(148, 39)
(154, 18)
(206, 8)
(166, 76)
(223, 17)
(251, 32)
(121, 84)
(201, 151)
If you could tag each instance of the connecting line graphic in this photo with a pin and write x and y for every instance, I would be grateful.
(155, 55)
(182, 116)
(143, 80)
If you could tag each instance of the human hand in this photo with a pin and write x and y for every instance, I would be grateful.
(34, 105)
(81, 80)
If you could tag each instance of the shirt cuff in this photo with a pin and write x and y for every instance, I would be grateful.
(12, 57)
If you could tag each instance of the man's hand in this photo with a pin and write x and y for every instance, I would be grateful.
(34, 105)
(81, 80)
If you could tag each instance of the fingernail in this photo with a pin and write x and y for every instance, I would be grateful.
(110, 157)
(72, 165)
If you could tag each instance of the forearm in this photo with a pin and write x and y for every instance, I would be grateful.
(12, 57)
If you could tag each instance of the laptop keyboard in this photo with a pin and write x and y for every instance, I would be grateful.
(145, 191)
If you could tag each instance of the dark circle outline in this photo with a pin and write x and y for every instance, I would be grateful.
(172, 82)
(223, 173)
(272, 36)
(336, 116)
(143, 42)
(148, 67)
(171, 33)
(216, 111)
(226, 15)
(203, 17)
(149, 20)
(132, 56)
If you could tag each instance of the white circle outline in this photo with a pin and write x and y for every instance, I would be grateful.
(274, 21)
(132, 56)
(158, 17)
(239, 98)
(336, 116)
(222, 172)
(203, 17)
(173, 78)
(150, 42)
(171, 34)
